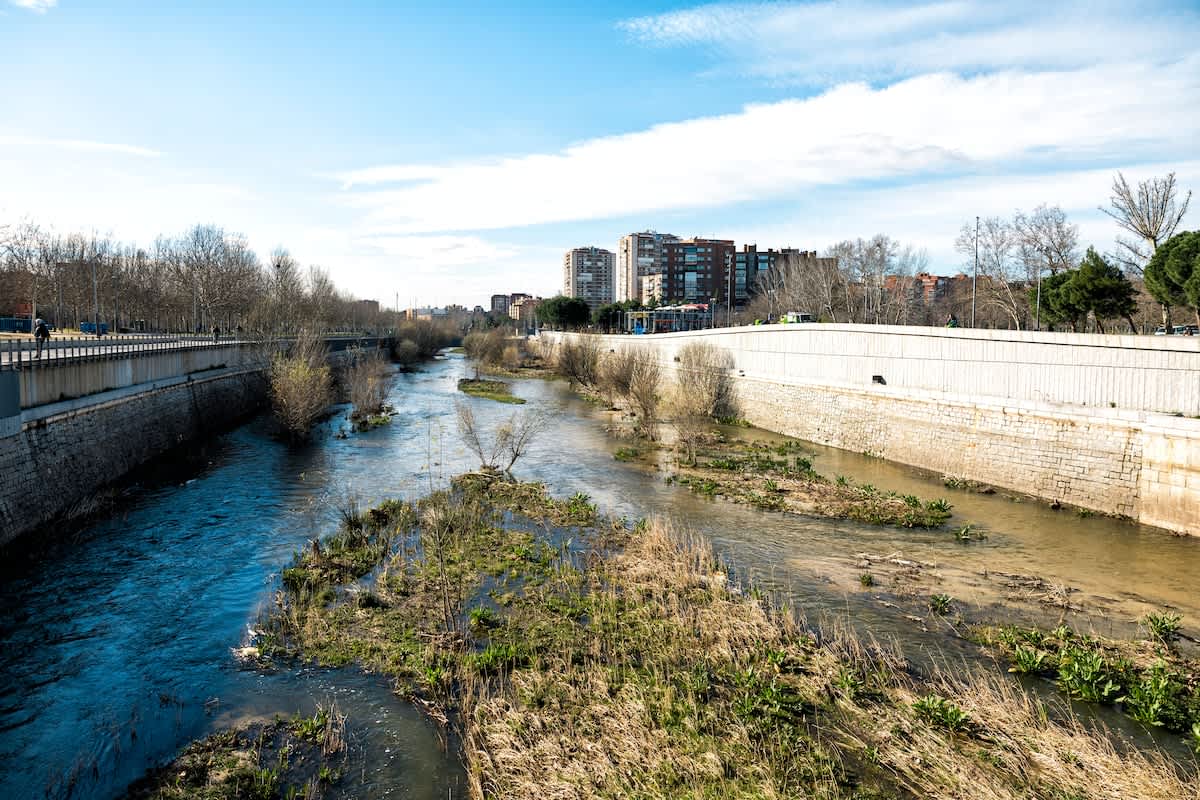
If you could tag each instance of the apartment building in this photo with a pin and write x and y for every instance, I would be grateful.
(524, 309)
(696, 270)
(639, 255)
(500, 304)
(651, 288)
(588, 273)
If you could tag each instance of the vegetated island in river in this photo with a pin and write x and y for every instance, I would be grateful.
(499, 391)
(580, 656)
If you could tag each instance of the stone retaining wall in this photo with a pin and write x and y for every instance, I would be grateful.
(1130, 462)
(64, 452)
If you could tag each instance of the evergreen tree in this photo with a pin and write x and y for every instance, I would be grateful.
(563, 312)
(1100, 287)
(1173, 274)
(1057, 304)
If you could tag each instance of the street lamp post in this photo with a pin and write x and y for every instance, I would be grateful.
(975, 276)
(95, 299)
(729, 293)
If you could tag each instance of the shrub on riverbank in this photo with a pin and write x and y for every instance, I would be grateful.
(603, 661)
(429, 337)
(578, 360)
(367, 380)
(301, 384)
(486, 347)
(703, 379)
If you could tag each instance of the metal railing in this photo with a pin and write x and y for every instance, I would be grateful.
(20, 354)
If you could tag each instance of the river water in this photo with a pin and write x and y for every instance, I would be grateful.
(117, 641)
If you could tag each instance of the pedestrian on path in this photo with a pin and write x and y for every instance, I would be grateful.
(41, 335)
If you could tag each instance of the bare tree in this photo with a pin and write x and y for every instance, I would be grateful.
(1046, 240)
(1151, 213)
(499, 451)
(1000, 272)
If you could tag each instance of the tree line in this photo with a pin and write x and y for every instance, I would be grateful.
(195, 280)
(1032, 273)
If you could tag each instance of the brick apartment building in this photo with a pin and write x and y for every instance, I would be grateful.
(695, 270)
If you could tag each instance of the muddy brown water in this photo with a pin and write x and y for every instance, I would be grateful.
(117, 639)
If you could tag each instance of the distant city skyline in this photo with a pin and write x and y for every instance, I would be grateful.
(359, 139)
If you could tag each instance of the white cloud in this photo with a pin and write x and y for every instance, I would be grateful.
(79, 145)
(850, 134)
(821, 42)
(36, 6)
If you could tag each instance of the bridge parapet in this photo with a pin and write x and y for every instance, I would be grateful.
(74, 368)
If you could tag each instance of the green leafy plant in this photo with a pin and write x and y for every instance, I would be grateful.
(1162, 627)
(940, 604)
(1149, 700)
(866, 579)
(1084, 674)
(1028, 661)
(941, 504)
(483, 617)
(941, 713)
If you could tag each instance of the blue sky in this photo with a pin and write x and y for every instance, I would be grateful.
(448, 153)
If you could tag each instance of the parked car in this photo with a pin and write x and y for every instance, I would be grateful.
(1186, 330)
(1160, 331)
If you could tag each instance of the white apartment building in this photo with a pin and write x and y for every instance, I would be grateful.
(588, 274)
(639, 255)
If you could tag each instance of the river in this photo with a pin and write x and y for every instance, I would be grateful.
(117, 638)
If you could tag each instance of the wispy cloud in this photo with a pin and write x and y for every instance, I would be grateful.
(36, 6)
(80, 145)
(820, 43)
(436, 253)
(850, 134)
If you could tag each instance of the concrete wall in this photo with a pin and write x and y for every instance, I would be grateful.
(1028, 412)
(61, 453)
(80, 425)
(1144, 373)
(49, 384)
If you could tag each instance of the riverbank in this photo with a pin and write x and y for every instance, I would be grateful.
(578, 656)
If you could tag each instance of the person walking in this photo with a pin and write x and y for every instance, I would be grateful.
(216, 332)
(41, 335)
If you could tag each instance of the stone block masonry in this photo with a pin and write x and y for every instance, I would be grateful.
(64, 452)
(1072, 419)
